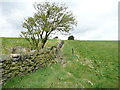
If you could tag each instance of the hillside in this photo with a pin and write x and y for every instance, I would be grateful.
(86, 64)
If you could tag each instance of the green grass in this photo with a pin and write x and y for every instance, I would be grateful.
(8, 43)
(93, 65)
(94, 61)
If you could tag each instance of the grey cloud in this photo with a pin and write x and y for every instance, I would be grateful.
(13, 14)
(92, 23)
(8, 7)
(82, 30)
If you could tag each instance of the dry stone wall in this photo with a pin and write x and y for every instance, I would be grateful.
(18, 64)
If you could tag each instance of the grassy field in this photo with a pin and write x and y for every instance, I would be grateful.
(8, 43)
(93, 65)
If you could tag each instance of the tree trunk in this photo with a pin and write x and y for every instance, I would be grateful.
(43, 42)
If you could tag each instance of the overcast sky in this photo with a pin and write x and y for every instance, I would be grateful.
(97, 19)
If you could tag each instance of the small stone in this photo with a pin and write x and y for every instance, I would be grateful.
(15, 55)
(0, 63)
(32, 51)
(15, 59)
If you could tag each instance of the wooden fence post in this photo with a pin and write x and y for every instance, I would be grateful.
(72, 51)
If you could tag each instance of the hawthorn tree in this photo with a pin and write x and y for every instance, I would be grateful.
(49, 18)
(71, 37)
